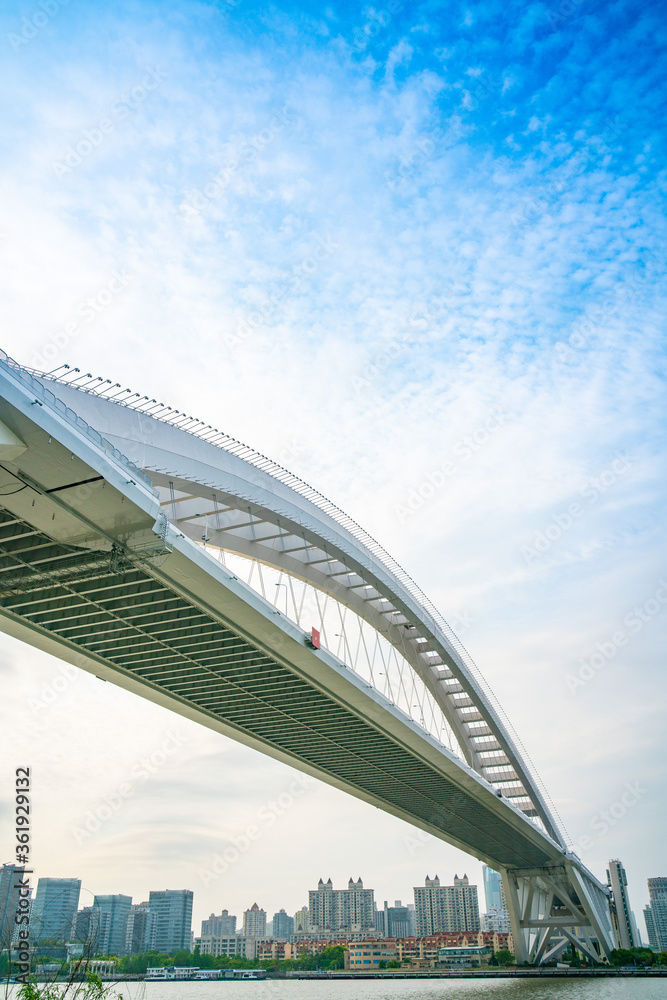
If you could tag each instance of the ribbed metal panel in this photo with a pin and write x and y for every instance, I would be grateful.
(136, 624)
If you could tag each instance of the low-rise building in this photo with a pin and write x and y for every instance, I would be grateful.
(274, 951)
(312, 946)
(97, 966)
(428, 947)
(361, 955)
(472, 957)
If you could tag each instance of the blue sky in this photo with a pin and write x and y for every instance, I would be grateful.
(351, 236)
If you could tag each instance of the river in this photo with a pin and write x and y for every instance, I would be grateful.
(406, 989)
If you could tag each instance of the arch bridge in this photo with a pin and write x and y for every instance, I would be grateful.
(156, 552)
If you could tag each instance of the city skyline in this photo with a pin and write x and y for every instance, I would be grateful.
(426, 278)
(166, 922)
(55, 896)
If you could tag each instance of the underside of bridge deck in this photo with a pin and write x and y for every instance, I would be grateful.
(100, 602)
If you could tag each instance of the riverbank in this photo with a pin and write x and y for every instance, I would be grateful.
(602, 972)
(481, 974)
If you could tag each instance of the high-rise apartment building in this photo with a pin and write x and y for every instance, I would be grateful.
(498, 921)
(140, 929)
(173, 919)
(87, 930)
(494, 891)
(446, 907)
(497, 917)
(655, 914)
(219, 925)
(10, 876)
(625, 929)
(114, 911)
(302, 921)
(341, 911)
(282, 925)
(397, 922)
(254, 922)
(54, 910)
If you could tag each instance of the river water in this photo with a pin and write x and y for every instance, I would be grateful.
(406, 989)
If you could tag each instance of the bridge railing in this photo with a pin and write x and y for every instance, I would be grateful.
(26, 376)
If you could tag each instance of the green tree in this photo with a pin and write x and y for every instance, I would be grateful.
(632, 956)
(505, 957)
(332, 957)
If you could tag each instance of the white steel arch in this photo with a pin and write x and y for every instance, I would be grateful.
(216, 489)
(109, 579)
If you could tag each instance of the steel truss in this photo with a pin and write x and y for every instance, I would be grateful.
(553, 907)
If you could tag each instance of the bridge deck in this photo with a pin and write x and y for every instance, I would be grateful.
(84, 575)
(142, 628)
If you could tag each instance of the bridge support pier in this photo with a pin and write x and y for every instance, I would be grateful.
(552, 907)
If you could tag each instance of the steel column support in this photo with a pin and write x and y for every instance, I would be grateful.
(553, 906)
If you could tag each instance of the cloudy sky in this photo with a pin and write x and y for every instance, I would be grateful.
(375, 243)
